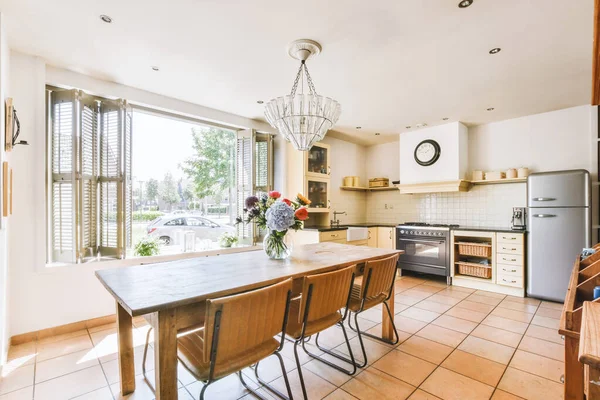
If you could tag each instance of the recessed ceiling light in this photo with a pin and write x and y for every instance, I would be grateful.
(377, 133)
(259, 101)
(491, 109)
(421, 125)
(106, 18)
(155, 68)
(408, 126)
(495, 50)
(465, 3)
(359, 127)
(445, 119)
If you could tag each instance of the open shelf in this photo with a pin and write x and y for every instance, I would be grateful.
(472, 278)
(364, 189)
(495, 181)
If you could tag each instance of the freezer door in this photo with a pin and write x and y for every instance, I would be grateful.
(556, 236)
(559, 189)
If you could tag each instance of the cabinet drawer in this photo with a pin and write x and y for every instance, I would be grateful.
(332, 235)
(340, 241)
(511, 270)
(509, 280)
(511, 259)
(504, 237)
(509, 248)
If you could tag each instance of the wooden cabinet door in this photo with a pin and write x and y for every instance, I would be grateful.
(317, 191)
(317, 161)
(372, 238)
(385, 238)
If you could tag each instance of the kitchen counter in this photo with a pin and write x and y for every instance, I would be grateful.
(370, 225)
(487, 229)
(328, 228)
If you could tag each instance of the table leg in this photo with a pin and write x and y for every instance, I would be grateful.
(125, 342)
(387, 328)
(573, 387)
(165, 354)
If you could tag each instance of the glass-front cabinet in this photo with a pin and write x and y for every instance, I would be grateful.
(317, 161)
(317, 191)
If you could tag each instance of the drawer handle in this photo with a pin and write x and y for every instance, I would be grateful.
(509, 270)
(509, 259)
(510, 249)
(509, 238)
(504, 280)
(336, 235)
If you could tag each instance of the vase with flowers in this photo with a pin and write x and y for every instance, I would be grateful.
(277, 216)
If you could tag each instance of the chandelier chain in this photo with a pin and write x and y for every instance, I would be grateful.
(311, 85)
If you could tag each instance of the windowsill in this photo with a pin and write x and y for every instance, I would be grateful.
(128, 262)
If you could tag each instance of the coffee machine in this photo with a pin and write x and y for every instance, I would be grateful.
(518, 219)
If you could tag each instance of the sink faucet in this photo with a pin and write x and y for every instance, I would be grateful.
(335, 221)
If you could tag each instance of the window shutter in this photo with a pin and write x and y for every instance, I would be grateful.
(244, 174)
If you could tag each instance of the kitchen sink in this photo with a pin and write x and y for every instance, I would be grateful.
(355, 233)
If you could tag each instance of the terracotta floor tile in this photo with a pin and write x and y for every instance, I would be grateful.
(538, 365)
(548, 334)
(339, 394)
(433, 306)
(442, 335)
(316, 386)
(478, 368)
(288, 351)
(543, 348)
(492, 301)
(399, 307)
(402, 298)
(111, 368)
(64, 336)
(23, 354)
(490, 294)
(229, 387)
(529, 386)
(549, 312)
(456, 324)
(374, 384)
(502, 395)
(417, 293)
(430, 288)
(334, 336)
(497, 335)
(438, 298)
(426, 349)
(104, 394)
(552, 305)
(469, 315)
(15, 379)
(459, 295)
(56, 349)
(112, 325)
(438, 284)
(375, 349)
(513, 305)
(21, 394)
(512, 314)
(506, 324)
(409, 325)
(402, 336)
(421, 395)
(546, 322)
(420, 314)
(474, 306)
(486, 349)
(66, 364)
(523, 300)
(372, 315)
(71, 385)
(449, 385)
(324, 371)
(404, 366)
(460, 289)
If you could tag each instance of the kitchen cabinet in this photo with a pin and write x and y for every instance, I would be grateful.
(372, 238)
(317, 161)
(386, 237)
(317, 190)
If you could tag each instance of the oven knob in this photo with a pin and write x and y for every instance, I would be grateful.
(402, 232)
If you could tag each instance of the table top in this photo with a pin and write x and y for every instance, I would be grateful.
(149, 288)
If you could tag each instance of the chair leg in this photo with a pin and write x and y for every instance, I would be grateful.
(392, 342)
(204, 387)
(144, 360)
(268, 386)
(300, 369)
(350, 361)
(360, 340)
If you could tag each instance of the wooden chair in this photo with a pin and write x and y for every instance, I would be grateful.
(319, 308)
(238, 332)
(376, 288)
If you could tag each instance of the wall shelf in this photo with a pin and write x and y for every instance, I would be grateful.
(364, 189)
(495, 181)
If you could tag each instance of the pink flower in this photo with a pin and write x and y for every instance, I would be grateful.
(274, 194)
(301, 214)
(287, 201)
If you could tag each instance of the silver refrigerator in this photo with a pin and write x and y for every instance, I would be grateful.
(559, 226)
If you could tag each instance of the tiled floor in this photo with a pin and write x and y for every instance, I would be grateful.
(455, 343)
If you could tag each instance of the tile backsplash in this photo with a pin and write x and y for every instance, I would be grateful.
(481, 206)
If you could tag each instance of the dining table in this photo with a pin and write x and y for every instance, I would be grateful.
(172, 296)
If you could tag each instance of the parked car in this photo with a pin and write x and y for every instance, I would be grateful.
(164, 228)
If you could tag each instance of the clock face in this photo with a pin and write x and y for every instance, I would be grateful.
(427, 152)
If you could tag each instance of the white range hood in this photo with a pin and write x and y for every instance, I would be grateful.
(448, 173)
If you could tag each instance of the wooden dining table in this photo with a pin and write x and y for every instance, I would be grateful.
(172, 296)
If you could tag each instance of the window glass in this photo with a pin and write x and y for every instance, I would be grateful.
(176, 222)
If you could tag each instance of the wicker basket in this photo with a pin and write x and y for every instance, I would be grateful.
(379, 182)
(474, 249)
(472, 269)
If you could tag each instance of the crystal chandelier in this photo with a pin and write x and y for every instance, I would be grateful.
(303, 119)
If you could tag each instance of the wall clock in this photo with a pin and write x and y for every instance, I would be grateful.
(427, 152)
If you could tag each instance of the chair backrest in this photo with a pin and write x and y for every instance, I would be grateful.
(379, 275)
(328, 295)
(247, 320)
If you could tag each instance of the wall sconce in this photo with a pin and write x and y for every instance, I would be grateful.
(17, 131)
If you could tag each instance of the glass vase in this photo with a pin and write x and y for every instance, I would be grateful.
(278, 245)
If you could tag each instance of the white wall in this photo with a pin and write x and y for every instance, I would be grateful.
(4, 287)
(383, 161)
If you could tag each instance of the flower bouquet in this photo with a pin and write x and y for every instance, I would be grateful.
(276, 215)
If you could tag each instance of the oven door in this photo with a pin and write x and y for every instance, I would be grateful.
(423, 250)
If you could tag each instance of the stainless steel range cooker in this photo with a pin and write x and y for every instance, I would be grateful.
(426, 248)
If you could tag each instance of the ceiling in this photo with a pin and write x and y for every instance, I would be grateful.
(390, 64)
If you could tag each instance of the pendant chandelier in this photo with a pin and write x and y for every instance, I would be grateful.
(303, 118)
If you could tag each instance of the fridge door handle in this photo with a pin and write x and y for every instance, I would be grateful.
(544, 199)
(544, 215)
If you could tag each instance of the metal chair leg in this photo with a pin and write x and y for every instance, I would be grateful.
(350, 361)
(268, 386)
(360, 340)
(204, 387)
(300, 369)
(144, 360)
(392, 342)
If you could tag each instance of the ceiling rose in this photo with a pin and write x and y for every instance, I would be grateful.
(303, 118)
